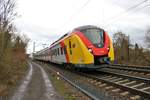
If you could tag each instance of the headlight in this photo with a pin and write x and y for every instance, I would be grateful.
(90, 50)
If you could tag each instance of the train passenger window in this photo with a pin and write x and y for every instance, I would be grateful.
(51, 52)
(65, 50)
(55, 52)
(58, 51)
(61, 50)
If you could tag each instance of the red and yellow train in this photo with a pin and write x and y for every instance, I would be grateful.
(84, 47)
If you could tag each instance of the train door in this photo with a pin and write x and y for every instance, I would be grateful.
(70, 50)
(77, 55)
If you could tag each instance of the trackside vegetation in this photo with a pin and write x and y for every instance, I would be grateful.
(12, 48)
(130, 53)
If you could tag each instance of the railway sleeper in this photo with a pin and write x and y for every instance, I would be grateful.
(98, 83)
(135, 86)
(102, 85)
(136, 97)
(122, 81)
(130, 83)
(125, 93)
(111, 78)
(145, 89)
(115, 90)
(109, 87)
(118, 79)
(106, 76)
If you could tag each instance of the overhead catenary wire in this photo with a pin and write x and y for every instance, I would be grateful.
(109, 20)
(148, 5)
(78, 11)
(116, 17)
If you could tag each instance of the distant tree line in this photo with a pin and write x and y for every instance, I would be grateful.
(129, 53)
(12, 46)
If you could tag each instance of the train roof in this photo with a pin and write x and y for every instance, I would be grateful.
(76, 29)
(41, 51)
(60, 38)
(86, 27)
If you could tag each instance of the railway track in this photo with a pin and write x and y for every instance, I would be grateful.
(132, 66)
(72, 79)
(129, 84)
(106, 85)
(142, 69)
(143, 72)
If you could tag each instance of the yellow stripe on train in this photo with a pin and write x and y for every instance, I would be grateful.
(78, 52)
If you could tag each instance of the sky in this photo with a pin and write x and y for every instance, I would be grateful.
(44, 21)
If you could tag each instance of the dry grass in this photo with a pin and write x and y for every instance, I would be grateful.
(12, 69)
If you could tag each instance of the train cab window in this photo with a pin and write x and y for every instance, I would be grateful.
(95, 35)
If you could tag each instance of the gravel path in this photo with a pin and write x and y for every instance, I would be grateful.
(36, 86)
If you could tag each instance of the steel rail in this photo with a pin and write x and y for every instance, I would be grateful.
(135, 91)
(131, 89)
(131, 66)
(132, 69)
(146, 80)
(76, 86)
(137, 69)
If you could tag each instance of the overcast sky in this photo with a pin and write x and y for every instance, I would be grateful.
(44, 21)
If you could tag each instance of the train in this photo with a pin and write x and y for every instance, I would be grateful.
(84, 47)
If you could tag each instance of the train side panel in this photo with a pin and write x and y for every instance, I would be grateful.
(58, 57)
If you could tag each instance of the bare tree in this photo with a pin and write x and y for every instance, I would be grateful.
(121, 45)
(21, 41)
(7, 15)
(12, 46)
(118, 39)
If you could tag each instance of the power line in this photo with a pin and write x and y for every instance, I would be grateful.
(114, 18)
(78, 11)
(148, 5)
(134, 11)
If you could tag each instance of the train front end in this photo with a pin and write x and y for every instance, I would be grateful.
(98, 43)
